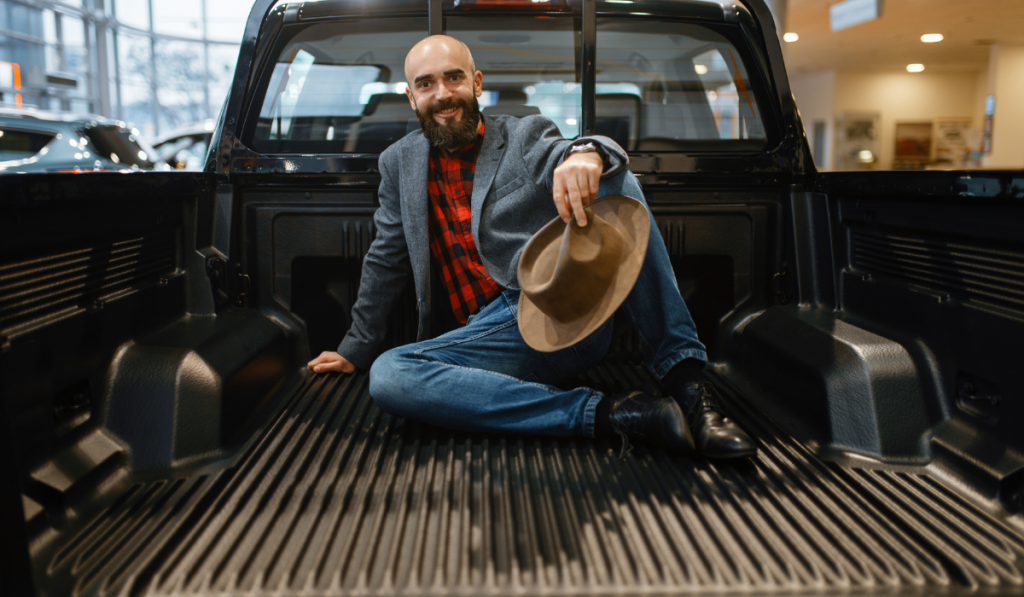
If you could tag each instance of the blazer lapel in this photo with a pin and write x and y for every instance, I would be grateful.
(415, 213)
(487, 162)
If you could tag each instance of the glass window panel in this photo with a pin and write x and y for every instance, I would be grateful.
(137, 108)
(225, 19)
(180, 78)
(111, 56)
(222, 59)
(3, 15)
(28, 55)
(315, 100)
(76, 59)
(134, 13)
(693, 87)
(52, 59)
(133, 54)
(20, 20)
(181, 18)
(50, 26)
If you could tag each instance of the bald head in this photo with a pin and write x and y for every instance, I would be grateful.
(436, 49)
(443, 87)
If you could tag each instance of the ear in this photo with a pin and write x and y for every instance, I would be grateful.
(478, 83)
(408, 92)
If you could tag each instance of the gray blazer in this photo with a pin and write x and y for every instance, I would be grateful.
(511, 201)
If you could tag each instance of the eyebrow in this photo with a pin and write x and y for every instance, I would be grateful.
(453, 71)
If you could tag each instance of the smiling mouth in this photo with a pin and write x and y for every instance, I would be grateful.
(447, 112)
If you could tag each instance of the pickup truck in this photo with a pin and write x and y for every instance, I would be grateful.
(161, 435)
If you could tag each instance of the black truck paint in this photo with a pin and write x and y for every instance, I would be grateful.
(161, 434)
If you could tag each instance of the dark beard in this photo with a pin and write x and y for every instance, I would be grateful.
(455, 135)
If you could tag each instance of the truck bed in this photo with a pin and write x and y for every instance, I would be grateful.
(335, 497)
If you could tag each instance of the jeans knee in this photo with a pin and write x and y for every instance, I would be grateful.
(386, 381)
(623, 183)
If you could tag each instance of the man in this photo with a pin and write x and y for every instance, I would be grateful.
(468, 193)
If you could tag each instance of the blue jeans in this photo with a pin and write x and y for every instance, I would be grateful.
(483, 377)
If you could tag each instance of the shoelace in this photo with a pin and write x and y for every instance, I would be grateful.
(626, 446)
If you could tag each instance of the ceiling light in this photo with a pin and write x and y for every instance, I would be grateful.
(915, 68)
(790, 37)
(930, 38)
(700, 69)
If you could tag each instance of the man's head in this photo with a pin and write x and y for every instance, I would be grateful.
(443, 87)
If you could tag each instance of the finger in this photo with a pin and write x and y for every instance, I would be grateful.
(558, 194)
(323, 358)
(583, 180)
(576, 201)
(331, 367)
(595, 181)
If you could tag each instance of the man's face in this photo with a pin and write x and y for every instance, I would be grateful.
(442, 90)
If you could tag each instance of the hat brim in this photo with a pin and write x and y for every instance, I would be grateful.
(630, 217)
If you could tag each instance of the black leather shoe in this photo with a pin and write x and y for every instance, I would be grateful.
(715, 435)
(637, 416)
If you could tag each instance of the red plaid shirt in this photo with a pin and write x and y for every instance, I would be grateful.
(450, 185)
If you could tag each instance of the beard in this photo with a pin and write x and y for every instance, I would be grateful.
(451, 135)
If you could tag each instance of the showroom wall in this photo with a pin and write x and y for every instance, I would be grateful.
(1005, 81)
(896, 96)
(815, 98)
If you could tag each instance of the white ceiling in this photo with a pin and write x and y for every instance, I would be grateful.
(894, 40)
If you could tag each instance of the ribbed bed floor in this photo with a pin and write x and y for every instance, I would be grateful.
(336, 498)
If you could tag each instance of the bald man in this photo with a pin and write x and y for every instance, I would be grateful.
(465, 195)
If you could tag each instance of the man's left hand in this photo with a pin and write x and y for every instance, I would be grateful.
(575, 184)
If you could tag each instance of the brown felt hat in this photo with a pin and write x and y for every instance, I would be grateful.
(574, 278)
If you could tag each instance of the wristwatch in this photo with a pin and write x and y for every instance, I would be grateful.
(587, 147)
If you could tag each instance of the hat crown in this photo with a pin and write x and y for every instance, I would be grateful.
(568, 279)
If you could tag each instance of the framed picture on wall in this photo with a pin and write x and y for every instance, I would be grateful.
(857, 140)
(955, 142)
(913, 144)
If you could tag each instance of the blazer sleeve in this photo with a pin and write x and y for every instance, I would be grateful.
(544, 149)
(386, 272)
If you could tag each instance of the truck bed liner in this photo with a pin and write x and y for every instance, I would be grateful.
(336, 497)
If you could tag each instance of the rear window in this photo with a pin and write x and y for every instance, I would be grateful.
(675, 83)
(340, 87)
(21, 145)
(120, 145)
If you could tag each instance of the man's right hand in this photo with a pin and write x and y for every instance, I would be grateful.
(330, 362)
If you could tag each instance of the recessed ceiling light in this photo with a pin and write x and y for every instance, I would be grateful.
(930, 38)
(915, 68)
(700, 69)
(790, 37)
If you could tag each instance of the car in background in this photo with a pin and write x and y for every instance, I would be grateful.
(185, 147)
(42, 141)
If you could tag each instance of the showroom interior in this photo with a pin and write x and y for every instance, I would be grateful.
(904, 84)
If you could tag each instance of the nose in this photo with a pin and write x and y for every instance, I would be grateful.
(442, 92)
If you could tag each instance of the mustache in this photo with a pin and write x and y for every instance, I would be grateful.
(445, 105)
